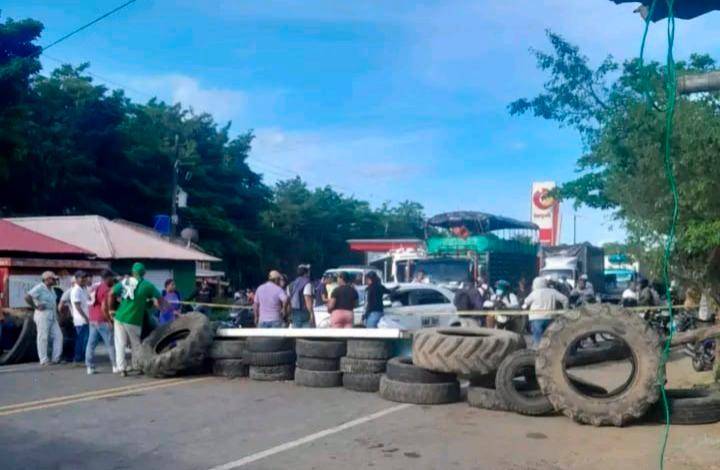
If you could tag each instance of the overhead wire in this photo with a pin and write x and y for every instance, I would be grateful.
(87, 25)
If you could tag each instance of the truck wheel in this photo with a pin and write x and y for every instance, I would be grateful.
(230, 368)
(402, 369)
(521, 364)
(629, 401)
(260, 344)
(689, 406)
(176, 347)
(318, 364)
(25, 347)
(326, 349)
(350, 365)
(419, 393)
(369, 349)
(272, 373)
(276, 358)
(362, 382)
(467, 351)
(227, 349)
(485, 398)
(314, 378)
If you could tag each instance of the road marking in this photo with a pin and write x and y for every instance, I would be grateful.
(120, 391)
(312, 437)
(78, 395)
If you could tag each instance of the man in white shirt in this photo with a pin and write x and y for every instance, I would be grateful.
(541, 300)
(79, 307)
(43, 301)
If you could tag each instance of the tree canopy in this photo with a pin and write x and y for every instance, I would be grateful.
(70, 146)
(618, 110)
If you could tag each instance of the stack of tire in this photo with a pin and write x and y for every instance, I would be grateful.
(227, 355)
(471, 352)
(270, 359)
(407, 383)
(365, 363)
(318, 362)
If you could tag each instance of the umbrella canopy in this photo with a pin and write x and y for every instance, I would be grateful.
(685, 9)
(478, 222)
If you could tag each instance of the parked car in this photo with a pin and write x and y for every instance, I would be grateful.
(410, 306)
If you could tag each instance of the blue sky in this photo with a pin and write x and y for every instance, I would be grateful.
(387, 100)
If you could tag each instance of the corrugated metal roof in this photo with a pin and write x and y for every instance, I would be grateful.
(111, 239)
(17, 238)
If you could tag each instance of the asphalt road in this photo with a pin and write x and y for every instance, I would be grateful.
(60, 418)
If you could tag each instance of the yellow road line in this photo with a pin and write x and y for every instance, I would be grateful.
(79, 395)
(149, 387)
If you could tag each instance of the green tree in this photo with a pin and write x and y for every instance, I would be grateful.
(618, 111)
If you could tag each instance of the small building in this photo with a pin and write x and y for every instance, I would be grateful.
(121, 243)
(25, 254)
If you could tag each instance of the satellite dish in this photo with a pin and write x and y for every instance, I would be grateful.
(190, 235)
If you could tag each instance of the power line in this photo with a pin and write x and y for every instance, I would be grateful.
(99, 18)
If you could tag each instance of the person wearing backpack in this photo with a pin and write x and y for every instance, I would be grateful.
(300, 292)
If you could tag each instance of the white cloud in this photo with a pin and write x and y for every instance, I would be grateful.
(371, 164)
(223, 103)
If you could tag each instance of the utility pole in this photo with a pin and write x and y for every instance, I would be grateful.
(574, 228)
(173, 212)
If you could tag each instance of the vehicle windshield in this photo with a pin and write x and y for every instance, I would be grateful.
(443, 270)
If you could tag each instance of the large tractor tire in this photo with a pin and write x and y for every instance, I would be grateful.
(25, 347)
(176, 347)
(620, 406)
(466, 351)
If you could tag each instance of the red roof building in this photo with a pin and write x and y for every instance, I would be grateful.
(17, 239)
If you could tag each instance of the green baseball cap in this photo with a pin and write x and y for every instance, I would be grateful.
(138, 268)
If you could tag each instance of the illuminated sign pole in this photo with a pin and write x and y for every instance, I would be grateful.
(545, 212)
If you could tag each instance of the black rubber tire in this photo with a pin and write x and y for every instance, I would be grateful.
(362, 382)
(603, 351)
(318, 364)
(265, 359)
(315, 378)
(419, 393)
(227, 349)
(230, 368)
(621, 407)
(25, 347)
(689, 406)
(468, 351)
(272, 373)
(188, 353)
(260, 344)
(402, 369)
(369, 349)
(485, 398)
(325, 349)
(531, 404)
(350, 365)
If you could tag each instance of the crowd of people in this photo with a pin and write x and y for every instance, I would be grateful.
(112, 310)
(278, 303)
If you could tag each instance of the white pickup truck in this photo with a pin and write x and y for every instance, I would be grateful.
(409, 307)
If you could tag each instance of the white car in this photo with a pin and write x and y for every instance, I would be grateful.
(409, 307)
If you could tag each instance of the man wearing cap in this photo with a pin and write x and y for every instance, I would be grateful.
(43, 301)
(100, 322)
(270, 302)
(134, 294)
(79, 307)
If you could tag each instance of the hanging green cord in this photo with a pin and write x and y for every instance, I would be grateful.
(671, 96)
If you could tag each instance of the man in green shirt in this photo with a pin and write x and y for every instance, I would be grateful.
(135, 294)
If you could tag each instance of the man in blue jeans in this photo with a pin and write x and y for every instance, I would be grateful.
(100, 322)
(301, 299)
(541, 301)
(270, 302)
